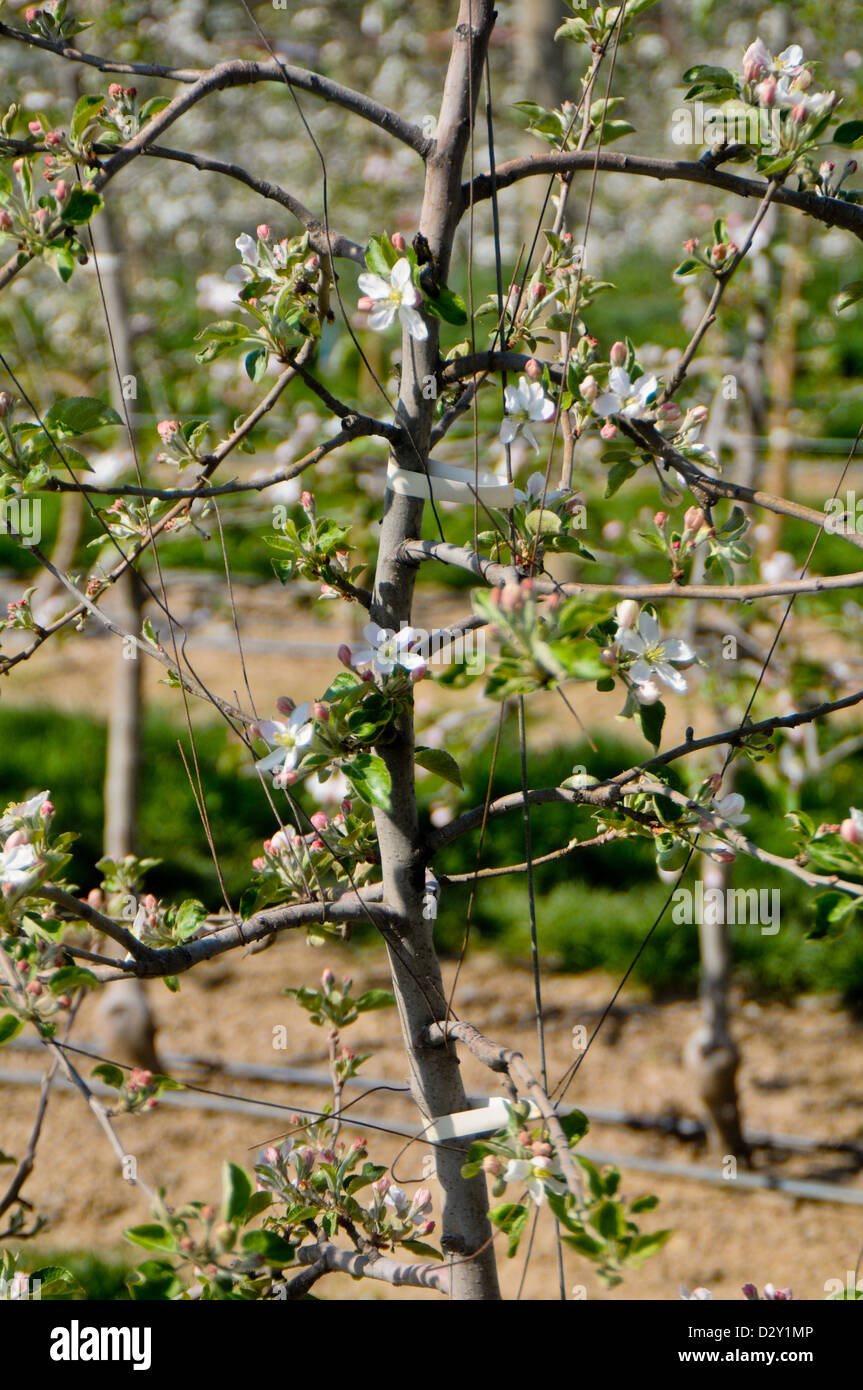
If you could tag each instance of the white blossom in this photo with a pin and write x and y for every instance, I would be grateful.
(654, 656)
(630, 399)
(288, 740)
(527, 403)
(396, 296)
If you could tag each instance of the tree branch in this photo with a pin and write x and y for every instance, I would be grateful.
(240, 72)
(833, 212)
(398, 1272)
(499, 1058)
(497, 574)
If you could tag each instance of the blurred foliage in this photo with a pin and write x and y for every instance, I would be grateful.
(583, 923)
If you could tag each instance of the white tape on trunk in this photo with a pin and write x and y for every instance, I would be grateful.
(446, 482)
(466, 1123)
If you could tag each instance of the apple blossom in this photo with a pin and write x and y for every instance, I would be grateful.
(632, 400)
(387, 650)
(851, 828)
(756, 61)
(396, 297)
(529, 403)
(654, 655)
(538, 1174)
(288, 740)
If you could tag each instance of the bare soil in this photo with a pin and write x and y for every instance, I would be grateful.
(800, 1074)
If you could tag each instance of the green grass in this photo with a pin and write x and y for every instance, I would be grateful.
(594, 908)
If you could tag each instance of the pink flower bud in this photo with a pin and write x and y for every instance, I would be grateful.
(166, 429)
(660, 518)
(346, 807)
(62, 191)
(320, 711)
(319, 820)
(31, 15)
(187, 1244)
(724, 856)
(608, 431)
(399, 242)
(317, 845)
(271, 1155)
(589, 389)
(115, 91)
(96, 899)
(426, 1228)
(34, 988)
(307, 502)
(532, 369)
(849, 831)
(64, 1001)
(285, 705)
(718, 253)
(365, 303)
(263, 231)
(5, 220)
(34, 127)
(670, 410)
(693, 519)
(799, 113)
(492, 1165)
(344, 655)
(698, 414)
(141, 1077)
(54, 137)
(691, 245)
(756, 61)
(46, 810)
(749, 1291)
(419, 673)
(259, 864)
(537, 292)
(511, 598)
(328, 979)
(618, 354)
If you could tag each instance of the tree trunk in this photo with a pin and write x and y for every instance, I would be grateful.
(434, 1072)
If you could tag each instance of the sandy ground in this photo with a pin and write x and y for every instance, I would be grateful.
(800, 1074)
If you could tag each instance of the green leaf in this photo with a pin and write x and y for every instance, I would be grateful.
(374, 999)
(256, 364)
(441, 763)
(618, 474)
(381, 256)
(10, 1027)
(833, 912)
(189, 917)
(419, 1247)
(585, 1244)
(111, 1075)
(849, 294)
(78, 415)
(574, 1125)
(511, 1218)
(70, 977)
(652, 718)
(81, 205)
(849, 134)
(446, 305)
(236, 1191)
(370, 779)
(689, 266)
(151, 1237)
(704, 72)
(275, 1249)
(642, 1204)
(609, 1221)
(85, 109)
(646, 1245)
